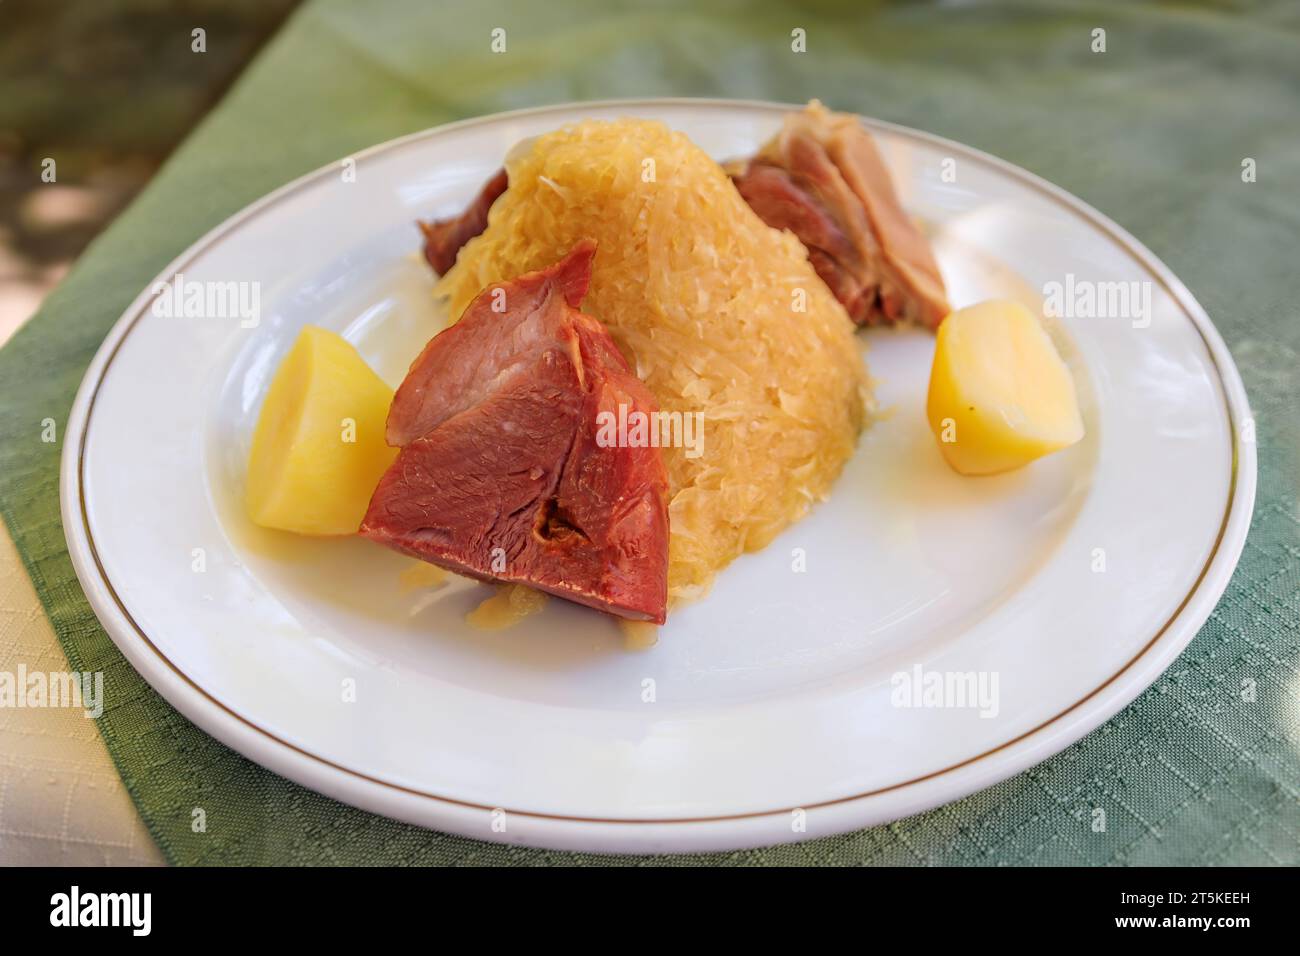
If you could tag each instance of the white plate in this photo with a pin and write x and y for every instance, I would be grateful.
(776, 693)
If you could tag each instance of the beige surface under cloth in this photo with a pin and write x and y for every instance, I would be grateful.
(61, 800)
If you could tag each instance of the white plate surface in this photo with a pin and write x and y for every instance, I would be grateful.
(1073, 583)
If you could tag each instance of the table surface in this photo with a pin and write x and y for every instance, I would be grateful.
(62, 802)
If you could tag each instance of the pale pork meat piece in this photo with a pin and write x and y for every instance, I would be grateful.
(822, 178)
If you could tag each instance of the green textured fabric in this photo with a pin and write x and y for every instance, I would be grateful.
(1153, 132)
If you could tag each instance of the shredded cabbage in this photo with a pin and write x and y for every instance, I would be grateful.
(704, 300)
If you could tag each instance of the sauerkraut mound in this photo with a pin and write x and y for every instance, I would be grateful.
(717, 313)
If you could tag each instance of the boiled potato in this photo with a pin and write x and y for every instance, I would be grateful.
(1000, 395)
(319, 451)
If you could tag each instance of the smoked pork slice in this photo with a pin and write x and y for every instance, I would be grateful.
(822, 178)
(500, 475)
(444, 237)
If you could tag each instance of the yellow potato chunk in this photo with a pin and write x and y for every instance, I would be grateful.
(319, 451)
(1000, 395)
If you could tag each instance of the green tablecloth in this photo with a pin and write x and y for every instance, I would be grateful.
(1153, 132)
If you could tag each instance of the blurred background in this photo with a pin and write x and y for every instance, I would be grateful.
(106, 88)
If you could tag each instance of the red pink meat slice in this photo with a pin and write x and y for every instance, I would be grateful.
(500, 475)
(444, 237)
